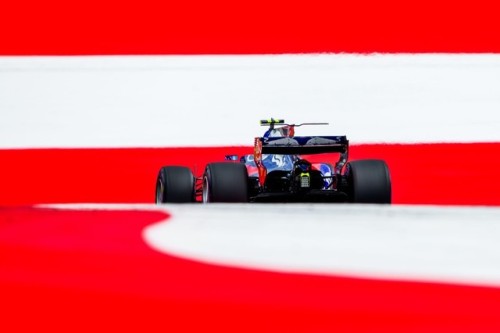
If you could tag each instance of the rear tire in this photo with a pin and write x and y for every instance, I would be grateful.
(225, 182)
(369, 181)
(175, 184)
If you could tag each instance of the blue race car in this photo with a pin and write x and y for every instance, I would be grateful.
(278, 171)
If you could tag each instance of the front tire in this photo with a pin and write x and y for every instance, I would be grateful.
(225, 182)
(369, 181)
(175, 184)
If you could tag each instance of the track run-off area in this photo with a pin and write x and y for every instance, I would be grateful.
(95, 131)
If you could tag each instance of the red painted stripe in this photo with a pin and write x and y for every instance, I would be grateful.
(57, 27)
(460, 174)
(90, 271)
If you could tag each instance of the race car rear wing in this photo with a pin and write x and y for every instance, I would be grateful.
(300, 145)
(304, 145)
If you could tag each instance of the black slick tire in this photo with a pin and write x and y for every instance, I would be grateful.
(175, 184)
(369, 181)
(225, 182)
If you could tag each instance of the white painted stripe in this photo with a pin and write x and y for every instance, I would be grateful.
(414, 243)
(439, 244)
(218, 100)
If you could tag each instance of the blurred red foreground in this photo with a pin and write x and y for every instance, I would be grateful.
(90, 271)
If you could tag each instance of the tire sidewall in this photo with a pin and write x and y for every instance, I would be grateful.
(225, 182)
(369, 181)
(178, 185)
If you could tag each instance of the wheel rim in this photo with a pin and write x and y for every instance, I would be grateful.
(206, 194)
(159, 192)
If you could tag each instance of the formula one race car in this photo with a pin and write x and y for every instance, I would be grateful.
(278, 171)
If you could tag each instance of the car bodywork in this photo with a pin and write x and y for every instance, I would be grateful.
(281, 169)
(278, 172)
